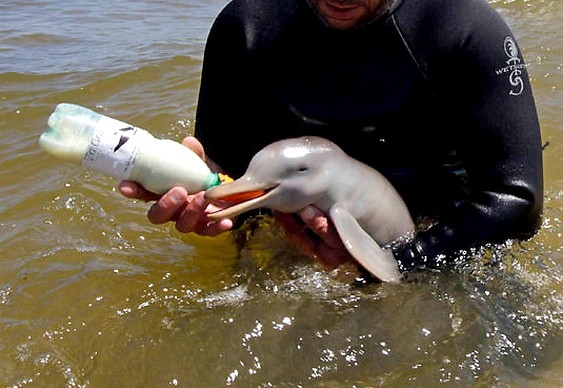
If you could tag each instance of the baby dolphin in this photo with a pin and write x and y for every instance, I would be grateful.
(291, 174)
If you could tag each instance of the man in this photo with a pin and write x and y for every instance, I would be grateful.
(432, 93)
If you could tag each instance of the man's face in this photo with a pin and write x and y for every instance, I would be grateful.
(345, 14)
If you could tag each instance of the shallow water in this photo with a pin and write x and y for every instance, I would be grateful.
(92, 294)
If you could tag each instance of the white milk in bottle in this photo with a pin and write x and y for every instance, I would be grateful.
(97, 142)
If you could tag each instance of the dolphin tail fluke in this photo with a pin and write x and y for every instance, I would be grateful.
(378, 261)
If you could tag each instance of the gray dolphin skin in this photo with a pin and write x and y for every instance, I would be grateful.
(291, 174)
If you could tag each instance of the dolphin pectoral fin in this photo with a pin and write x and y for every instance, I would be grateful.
(378, 261)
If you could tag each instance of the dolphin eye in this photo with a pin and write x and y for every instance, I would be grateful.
(303, 169)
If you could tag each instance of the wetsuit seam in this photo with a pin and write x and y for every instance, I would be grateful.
(407, 46)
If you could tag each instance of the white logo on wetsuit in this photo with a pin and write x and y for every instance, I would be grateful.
(514, 67)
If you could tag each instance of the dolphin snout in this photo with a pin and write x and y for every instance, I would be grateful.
(240, 196)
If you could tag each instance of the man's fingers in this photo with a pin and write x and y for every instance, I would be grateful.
(309, 231)
(193, 217)
(195, 145)
(168, 206)
(135, 191)
(319, 223)
(296, 233)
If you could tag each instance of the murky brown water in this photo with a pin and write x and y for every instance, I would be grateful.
(92, 294)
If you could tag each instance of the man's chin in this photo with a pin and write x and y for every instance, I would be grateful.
(341, 23)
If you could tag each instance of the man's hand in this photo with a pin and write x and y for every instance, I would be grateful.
(314, 234)
(188, 211)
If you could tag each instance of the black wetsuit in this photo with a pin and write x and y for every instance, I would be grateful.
(433, 94)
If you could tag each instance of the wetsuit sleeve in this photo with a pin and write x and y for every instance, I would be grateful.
(497, 136)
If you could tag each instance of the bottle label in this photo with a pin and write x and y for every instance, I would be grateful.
(113, 148)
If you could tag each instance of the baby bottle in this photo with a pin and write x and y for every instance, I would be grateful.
(97, 142)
